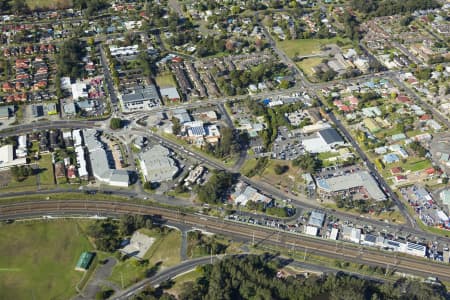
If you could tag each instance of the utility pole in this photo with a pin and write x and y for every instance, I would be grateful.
(304, 257)
(253, 238)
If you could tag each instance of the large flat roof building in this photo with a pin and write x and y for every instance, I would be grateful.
(349, 182)
(157, 165)
(101, 167)
(141, 98)
(323, 141)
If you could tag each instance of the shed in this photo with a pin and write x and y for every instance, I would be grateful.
(84, 262)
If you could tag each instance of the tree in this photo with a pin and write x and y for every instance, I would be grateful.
(176, 126)
(115, 123)
(280, 169)
(216, 188)
(105, 234)
(69, 58)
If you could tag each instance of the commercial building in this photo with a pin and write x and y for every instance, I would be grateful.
(6, 112)
(324, 140)
(170, 93)
(157, 165)
(140, 98)
(316, 219)
(244, 193)
(101, 166)
(79, 90)
(361, 182)
(445, 197)
(7, 159)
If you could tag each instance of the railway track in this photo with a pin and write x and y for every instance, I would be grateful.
(258, 234)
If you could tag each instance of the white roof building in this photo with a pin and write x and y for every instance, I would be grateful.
(323, 141)
(22, 150)
(334, 234)
(7, 157)
(101, 168)
(79, 90)
(81, 161)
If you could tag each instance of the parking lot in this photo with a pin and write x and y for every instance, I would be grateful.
(286, 145)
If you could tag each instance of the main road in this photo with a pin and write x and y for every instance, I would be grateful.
(255, 234)
(300, 202)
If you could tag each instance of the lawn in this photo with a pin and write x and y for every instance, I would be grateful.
(249, 165)
(8, 184)
(307, 47)
(179, 281)
(284, 180)
(46, 175)
(165, 80)
(165, 252)
(307, 64)
(327, 155)
(53, 4)
(417, 165)
(37, 260)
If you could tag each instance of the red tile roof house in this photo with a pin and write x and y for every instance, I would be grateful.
(425, 117)
(404, 99)
(396, 170)
(400, 178)
(7, 87)
(72, 172)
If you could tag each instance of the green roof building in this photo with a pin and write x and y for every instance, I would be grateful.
(84, 261)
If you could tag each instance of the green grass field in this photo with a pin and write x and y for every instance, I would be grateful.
(164, 251)
(307, 47)
(249, 165)
(307, 64)
(46, 174)
(37, 260)
(53, 4)
(165, 80)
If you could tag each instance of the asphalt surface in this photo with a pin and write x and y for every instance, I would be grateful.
(99, 280)
(164, 275)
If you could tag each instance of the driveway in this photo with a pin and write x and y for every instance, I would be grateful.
(98, 280)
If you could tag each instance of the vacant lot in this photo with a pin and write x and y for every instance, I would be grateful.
(165, 80)
(307, 64)
(52, 4)
(46, 176)
(307, 47)
(37, 260)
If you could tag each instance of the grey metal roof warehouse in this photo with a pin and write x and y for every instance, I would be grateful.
(350, 181)
(330, 136)
(157, 165)
(141, 94)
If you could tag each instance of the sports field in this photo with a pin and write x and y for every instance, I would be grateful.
(37, 259)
